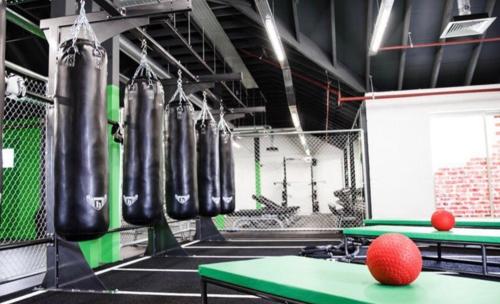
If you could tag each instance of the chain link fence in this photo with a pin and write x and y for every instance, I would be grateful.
(22, 208)
(297, 181)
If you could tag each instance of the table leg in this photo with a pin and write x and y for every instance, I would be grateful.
(346, 249)
(484, 259)
(204, 296)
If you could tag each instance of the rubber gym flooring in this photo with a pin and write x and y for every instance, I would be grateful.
(174, 279)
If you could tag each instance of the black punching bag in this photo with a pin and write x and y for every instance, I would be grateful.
(208, 168)
(143, 155)
(81, 142)
(226, 172)
(181, 179)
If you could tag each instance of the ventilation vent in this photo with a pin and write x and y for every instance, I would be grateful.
(467, 25)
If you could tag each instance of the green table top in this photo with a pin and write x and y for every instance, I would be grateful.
(325, 282)
(459, 222)
(468, 235)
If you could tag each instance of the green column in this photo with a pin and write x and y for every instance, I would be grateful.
(107, 249)
(258, 188)
(110, 249)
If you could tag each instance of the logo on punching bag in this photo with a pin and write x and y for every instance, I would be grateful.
(182, 199)
(130, 200)
(227, 199)
(97, 202)
(216, 200)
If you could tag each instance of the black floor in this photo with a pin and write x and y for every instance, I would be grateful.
(174, 279)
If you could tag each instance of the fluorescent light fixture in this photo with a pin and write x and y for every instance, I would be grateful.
(272, 33)
(380, 25)
(302, 139)
(295, 119)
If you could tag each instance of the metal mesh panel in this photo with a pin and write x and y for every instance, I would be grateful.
(297, 181)
(22, 212)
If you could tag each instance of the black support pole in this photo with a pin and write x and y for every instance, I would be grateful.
(3, 39)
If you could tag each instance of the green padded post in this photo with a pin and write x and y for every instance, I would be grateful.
(258, 186)
(107, 248)
(111, 242)
(91, 250)
(22, 194)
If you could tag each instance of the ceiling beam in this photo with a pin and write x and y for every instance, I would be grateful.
(307, 48)
(207, 21)
(334, 32)
(438, 58)
(296, 23)
(404, 41)
(369, 32)
(471, 67)
(193, 52)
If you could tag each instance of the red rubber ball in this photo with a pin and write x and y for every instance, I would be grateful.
(443, 220)
(394, 259)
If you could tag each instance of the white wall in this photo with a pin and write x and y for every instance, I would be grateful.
(399, 144)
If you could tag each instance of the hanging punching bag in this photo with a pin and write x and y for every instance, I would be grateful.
(81, 144)
(208, 168)
(143, 155)
(181, 178)
(226, 172)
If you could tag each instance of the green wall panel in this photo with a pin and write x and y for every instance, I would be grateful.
(20, 206)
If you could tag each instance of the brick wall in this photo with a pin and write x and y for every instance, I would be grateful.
(464, 190)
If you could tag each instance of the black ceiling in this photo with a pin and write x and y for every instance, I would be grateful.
(310, 24)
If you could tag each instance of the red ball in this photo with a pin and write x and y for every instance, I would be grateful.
(443, 220)
(394, 259)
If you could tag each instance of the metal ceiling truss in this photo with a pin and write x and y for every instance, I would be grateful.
(140, 34)
(168, 25)
(404, 41)
(305, 46)
(438, 58)
(205, 18)
(471, 67)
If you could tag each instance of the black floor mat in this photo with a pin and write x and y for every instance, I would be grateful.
(177, 262)
(181, 282)
(82, 298)
(242, 252)
(260, 243)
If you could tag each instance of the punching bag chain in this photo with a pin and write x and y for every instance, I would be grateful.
(182, 97)
(205, 112)
(81, 22)
(144, 69)
(223, 126)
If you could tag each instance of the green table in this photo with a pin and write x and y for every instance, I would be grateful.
(456, 235)
(492, 223)
(468, 236)
(291, 279)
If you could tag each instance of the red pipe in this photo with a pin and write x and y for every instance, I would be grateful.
(406, 95)
(441, 43)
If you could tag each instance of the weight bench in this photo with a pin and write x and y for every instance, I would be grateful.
(292, 279)
(489, 223)
(463, 236)
(271, 212)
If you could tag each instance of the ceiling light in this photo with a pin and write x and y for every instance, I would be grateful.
(302, 139)
(380, 25)
(296, 120)
(272, 32)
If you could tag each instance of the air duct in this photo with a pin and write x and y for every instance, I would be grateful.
(466, 23)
